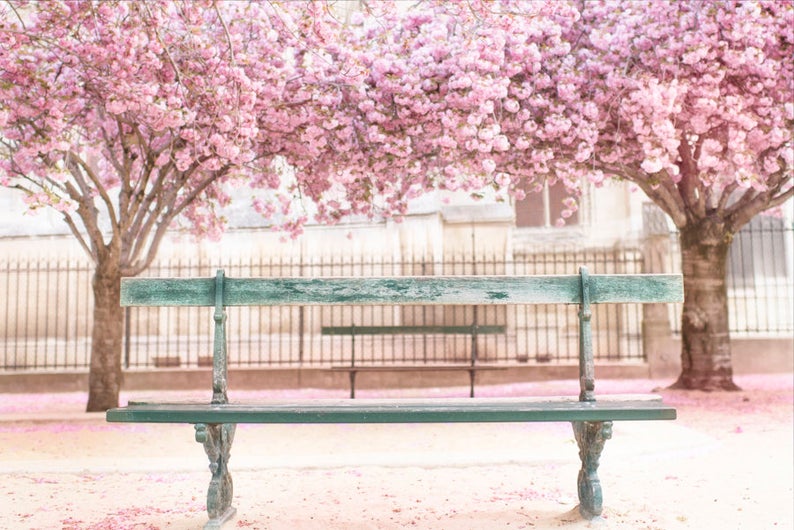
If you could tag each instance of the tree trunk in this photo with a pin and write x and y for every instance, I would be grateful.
(705, 339)
(105, 375)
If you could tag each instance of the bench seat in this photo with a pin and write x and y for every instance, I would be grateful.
(441, 410)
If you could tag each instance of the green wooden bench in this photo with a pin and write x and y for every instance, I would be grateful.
(472, 367)
(215, 422)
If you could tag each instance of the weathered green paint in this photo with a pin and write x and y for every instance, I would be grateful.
(219, 362)
(424, 290)
(217, 441)
(354, 331)
(215, 422)
(414, 330)
(463, 410)
(586, 361)
(591, 437)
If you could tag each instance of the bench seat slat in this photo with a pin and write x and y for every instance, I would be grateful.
(427, 290)
(397, 411)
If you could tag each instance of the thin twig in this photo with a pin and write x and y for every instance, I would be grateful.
(165, 48)
(14, 9)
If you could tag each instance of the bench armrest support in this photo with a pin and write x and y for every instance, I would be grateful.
(219, 361)
(586, 362)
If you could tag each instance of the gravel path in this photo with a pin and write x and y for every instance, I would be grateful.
(726, 463)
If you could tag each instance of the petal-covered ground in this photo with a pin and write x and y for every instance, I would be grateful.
(726, 463)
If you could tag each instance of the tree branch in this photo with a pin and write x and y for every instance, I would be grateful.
(663, 196)
(165, 48)
(145, 200)
(198, 190)
(726, 195)
(137, 266)
(19, 17)
(753, 203)
(76, 233)
(154, 203)
(72, 156)
(170, 210)
(690, 186)
(226, 32)
(88, 214)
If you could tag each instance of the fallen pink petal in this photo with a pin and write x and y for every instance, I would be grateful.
(68, 470)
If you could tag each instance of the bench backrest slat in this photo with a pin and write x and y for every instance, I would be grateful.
(425, 290)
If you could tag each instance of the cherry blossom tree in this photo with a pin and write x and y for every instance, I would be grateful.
(126, 116)
(690, 101)
(696, 107)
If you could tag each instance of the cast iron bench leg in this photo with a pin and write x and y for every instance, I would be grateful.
(590, 436)
(217, 440)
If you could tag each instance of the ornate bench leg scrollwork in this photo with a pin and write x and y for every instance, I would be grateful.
(590, 436)
(217, 440)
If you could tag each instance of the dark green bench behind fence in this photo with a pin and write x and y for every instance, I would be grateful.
(215, 422)
(472, 367)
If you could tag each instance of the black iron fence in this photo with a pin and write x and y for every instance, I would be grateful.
(48, 317)
(760, 277)
(46, 313)
(292, 336)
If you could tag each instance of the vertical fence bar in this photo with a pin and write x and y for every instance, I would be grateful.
(16, 317)
(33, 340)
(46, 321)
(7, 270)
(127, 337)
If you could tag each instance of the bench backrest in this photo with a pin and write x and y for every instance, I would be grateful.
(411, 290)
(582, 289)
